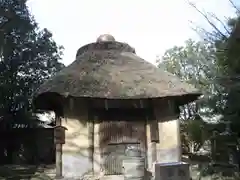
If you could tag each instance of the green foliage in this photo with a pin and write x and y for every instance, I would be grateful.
(194, 63)
(28, 56)
(213, 66)
(228, 61)
(194, 133)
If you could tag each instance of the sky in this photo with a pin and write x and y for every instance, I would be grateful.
(151, 27)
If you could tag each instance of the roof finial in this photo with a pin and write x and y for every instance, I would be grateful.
(105, 38)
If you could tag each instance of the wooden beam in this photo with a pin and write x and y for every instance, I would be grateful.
(58, 152)
(154, 131)
(91, 140)
(71, 103)
(107, 104)
(154, 151)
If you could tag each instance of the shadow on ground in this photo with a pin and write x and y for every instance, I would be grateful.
(14, 172)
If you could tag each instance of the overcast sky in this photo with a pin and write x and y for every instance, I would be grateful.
(151, 27)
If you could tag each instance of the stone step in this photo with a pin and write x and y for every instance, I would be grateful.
(112, 177)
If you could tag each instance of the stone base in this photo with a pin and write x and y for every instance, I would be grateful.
(113, 177)
(175, 171)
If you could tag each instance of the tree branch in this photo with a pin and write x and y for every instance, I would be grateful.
(206, 17)
(224, 26)
(234, 6)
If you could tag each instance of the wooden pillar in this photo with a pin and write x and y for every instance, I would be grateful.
(58, 152)
(213, 146)
(179, 144)
(154, 138)
(149, 150)
(154, 151)
(91, 141)
(97, 161)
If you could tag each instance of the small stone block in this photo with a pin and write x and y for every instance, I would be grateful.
(172, 171)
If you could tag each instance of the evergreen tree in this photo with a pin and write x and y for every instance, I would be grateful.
(28, 56)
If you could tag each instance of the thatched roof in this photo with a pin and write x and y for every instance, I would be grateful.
(112, 70)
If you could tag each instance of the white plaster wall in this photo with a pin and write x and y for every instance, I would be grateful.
(169, 146)
(76, 150)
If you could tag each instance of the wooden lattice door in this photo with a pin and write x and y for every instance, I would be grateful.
(120, 129)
